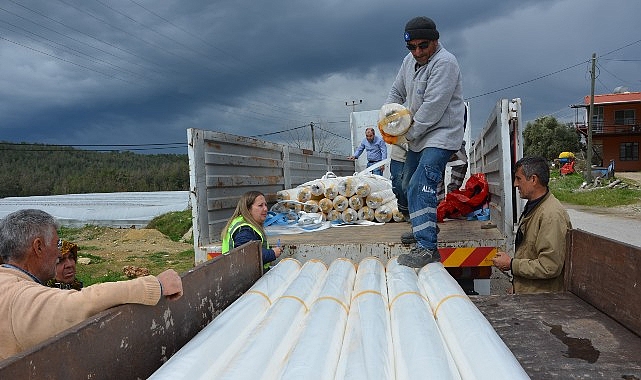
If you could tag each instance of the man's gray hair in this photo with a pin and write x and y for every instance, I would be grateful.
(535, 165)
(20, 228)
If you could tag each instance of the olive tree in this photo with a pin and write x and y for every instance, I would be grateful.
(546, 137)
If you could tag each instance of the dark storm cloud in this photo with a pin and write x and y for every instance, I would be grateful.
(140, 72)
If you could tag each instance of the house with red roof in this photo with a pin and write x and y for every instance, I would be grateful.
(616, 129)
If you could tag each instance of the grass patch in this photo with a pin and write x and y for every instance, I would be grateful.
(567, 189)
(173, 224)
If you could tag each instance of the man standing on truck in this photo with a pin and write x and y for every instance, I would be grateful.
(32, 312)
(429, 81)
(376, 150)
(537, 266)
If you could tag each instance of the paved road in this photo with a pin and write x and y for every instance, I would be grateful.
(627, 230)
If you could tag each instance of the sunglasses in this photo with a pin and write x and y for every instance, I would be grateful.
(422, 45)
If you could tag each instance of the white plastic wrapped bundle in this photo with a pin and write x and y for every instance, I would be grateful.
(379, 198)
(280, 207)
(311, 206)
(356, 202)
(325, 205)
(295, 206)
(366, 352)
(304, 194)
(317, 188)
(363, 189)
(287, 195)
(371, 183)
(265, 350)
(341, 203)
(230, 328)
(349, 215)
(346, 186)
(477, 349)
(366, 213)
(418, 346)
(331, 188)
(317, 350)
(385, 213)
(333, 215)
(397, 215)
(394, 119)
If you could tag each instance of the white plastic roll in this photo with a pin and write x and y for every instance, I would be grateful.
(325, 205)
(366, 213)
(379, 198)
(304, 194)
(215, 345)
(349, 215)
(384, 213)
(418, 346)
(317, 188)
(340, 203)
(264, 352)
(366, 352)
(477, 349)
(331, 188)
(311, 206)
(346, 186)
(316, 353)
(356, 202)
(398, 216)
(394, 119)
(287, 195)
(333, 215)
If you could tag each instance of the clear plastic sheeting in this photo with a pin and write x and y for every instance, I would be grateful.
(412, 326)
(264, 351)
(215, 346)
(477, 349)
(345, 323)
(367, 346)
(315, 354)
(102, 209)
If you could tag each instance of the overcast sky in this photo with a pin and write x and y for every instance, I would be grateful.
(101, 72)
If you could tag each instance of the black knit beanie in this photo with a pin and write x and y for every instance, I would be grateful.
(420, 28)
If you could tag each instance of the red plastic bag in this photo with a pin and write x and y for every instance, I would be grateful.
(459, 203)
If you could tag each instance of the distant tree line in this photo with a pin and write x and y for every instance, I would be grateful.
(547, 137)
(37, 169)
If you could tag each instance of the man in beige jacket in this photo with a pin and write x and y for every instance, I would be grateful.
(537, 266)
(32, 312)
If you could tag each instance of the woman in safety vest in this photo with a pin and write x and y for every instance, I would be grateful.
(246, 224)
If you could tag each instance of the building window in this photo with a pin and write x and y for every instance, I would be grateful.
(624, 117)
(629, 151)
(597, 119)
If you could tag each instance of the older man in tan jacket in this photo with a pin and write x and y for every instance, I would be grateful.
(32, 312)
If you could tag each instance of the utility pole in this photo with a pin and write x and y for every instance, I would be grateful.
(354, 104)
(588, 175)
(311, 125)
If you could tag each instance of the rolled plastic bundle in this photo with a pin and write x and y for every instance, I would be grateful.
(366, 213)
(304, 194)
(398, 216)
(363, 189)
(230, 328)
(356, 202)
(311, 206)
(325, 205)
(367, 351)
(287, 195)
(331, 188)
(265, 350)
(384, 213)
(340, 203)
(418, 346)
(295, 206)
(333, 215)
(349, 215)
(378, 198)
(394, 119)
(279, 207)
(317, 188)
(346, 186)
(477, 349)
(317, 350)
